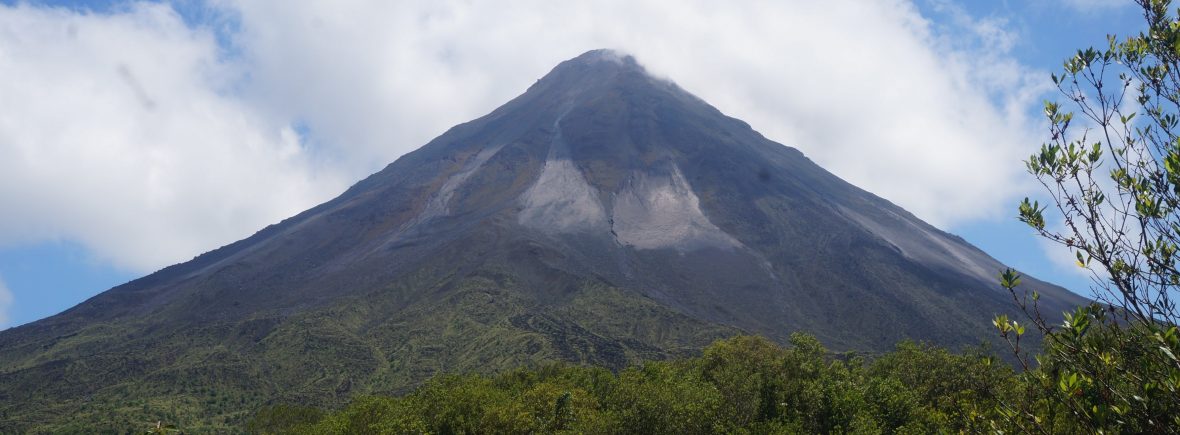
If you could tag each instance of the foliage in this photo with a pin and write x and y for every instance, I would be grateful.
(163, 429)
(740, 385)
(748, 384)
(211, 377)
(1116, 186)
(1097, 375)
(1102, 377)
(273, 418)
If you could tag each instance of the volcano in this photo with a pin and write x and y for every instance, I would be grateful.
(604, 216)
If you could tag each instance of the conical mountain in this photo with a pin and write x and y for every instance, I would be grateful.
(604, 216)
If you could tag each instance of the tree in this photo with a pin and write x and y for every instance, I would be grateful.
(1111, 171)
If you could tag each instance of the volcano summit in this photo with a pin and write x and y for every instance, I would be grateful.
(604, 216)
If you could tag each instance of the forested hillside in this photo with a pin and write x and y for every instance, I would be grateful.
(748, 384)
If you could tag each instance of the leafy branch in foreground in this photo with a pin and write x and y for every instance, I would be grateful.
(1115, 188)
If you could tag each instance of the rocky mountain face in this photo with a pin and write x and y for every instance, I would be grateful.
(604, 216)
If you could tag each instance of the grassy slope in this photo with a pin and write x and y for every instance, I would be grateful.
(212, 378)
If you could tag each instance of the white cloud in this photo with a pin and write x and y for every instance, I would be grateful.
(892, 106)
(138, 138)
(117, 132)
(5, 305)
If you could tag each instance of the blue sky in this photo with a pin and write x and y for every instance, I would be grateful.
(138, 135)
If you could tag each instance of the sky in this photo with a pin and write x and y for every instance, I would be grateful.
(139, 134)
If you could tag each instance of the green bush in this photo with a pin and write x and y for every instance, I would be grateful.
(739, 385)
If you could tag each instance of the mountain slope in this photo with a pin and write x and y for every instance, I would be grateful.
(603, 216)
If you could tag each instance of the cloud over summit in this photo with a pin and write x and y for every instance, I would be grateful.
(149, 139)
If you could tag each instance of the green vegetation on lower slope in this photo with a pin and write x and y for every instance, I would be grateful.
(209, 378)
(748, 384)
(1094, 376)
(741, 385)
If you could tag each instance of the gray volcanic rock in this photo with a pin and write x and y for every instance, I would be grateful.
(604, 216)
